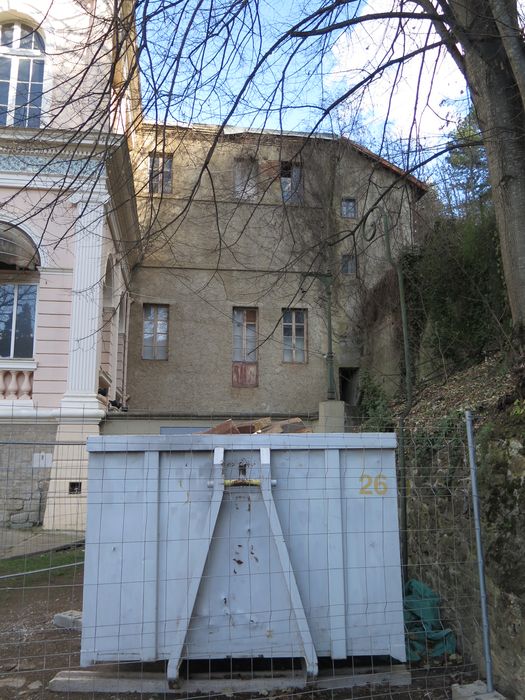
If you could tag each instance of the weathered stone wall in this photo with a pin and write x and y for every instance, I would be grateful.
(441, 536)
(209, 248)
(381, 332)
(26, 452)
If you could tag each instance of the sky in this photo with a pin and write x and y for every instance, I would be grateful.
(422, 103)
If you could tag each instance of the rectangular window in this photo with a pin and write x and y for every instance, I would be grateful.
(17, 320)
(294, 335)
(29, 90)
(348, 264)
(244, 357)
(291, 182)
(349, 208)
(155, 332)
(160, 174)
(5, 76)
(75, 488)
(245, 178)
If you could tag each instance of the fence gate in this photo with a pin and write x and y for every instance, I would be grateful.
(257, 546)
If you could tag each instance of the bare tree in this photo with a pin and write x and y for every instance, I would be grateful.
(237, 62)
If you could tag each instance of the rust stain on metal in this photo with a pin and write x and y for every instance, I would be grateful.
(242, 482)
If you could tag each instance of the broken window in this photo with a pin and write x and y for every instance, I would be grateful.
(244, 358)
(291, 182)
(160, 174)
(294, 335)
(155, 332)
(349, 208)
(245, 178)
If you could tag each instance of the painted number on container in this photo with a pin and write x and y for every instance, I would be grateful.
(371, 485)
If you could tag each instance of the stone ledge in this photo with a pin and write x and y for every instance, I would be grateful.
(475, 690)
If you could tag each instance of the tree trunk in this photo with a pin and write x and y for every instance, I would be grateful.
(500, 111)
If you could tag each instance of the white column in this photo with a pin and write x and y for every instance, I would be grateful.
(86, 311)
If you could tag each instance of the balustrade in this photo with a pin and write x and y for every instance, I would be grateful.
(16, 384)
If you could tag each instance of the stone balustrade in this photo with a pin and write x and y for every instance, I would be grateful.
(16, 384)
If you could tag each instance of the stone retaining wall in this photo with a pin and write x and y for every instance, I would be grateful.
(26, 453)
(441, 539)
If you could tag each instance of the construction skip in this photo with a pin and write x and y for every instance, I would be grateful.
(213, 547)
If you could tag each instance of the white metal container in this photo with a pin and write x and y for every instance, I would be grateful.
(212, 546)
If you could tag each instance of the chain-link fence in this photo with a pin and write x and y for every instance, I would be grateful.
(413, 525)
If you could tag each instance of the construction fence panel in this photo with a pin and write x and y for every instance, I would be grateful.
(242, 563)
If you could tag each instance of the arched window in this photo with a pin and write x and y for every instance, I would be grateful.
(17, 249)
(18, 292)
(21, 75)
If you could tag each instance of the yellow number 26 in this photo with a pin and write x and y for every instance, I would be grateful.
(371, 485)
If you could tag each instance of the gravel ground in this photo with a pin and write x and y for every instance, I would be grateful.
(32, 650)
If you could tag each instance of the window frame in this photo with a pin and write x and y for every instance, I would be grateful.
(14, 317)
(155, 346)
(245, 175)
(346, 258)
(347, 200)
(292, 192)
(159, 182)
(245, 323)
(245, 369)
(294, 350)
(14, 54)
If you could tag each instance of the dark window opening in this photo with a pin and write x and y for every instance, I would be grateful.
(291, 181)
(349, 385)
(75, 487)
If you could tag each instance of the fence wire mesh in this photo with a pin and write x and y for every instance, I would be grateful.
(315, 558)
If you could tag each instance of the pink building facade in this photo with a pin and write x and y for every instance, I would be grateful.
(68, 236)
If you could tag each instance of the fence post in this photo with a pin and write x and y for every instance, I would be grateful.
(479, 548)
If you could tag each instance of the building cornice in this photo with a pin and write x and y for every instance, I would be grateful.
(49, 141)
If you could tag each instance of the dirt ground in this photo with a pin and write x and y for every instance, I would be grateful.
(32, 650)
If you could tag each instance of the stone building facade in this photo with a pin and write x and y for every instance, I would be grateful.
(189, 274)
(254, 242)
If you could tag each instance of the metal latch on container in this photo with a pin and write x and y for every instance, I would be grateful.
(242, 482)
